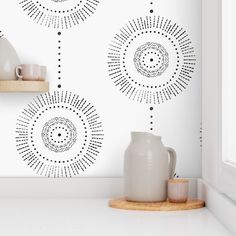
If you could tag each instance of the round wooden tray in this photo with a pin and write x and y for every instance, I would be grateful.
(121, 203)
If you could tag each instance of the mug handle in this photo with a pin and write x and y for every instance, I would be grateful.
(172, 163)
(18, 72)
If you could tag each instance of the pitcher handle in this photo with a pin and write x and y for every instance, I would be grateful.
(172, 163)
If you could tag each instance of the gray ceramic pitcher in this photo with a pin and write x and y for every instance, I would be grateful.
(147, 168)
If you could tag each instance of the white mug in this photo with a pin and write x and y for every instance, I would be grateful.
(31, 72)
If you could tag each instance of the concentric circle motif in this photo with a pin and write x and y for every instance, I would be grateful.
(59, 14)
(71, 134)
(151, 60)
(59, 134)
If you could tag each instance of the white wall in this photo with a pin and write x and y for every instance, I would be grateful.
(210, 89)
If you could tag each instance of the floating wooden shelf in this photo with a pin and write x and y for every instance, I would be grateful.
(20, 86)
(121, 203)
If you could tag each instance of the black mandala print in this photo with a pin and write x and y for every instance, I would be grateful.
(59, 14)
(151, 60)
(68, 144)
(59, 134)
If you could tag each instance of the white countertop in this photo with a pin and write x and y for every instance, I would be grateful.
(90, 217)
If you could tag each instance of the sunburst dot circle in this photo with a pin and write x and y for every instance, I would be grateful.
(71, 134)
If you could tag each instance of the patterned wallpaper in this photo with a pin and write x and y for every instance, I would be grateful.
(114, 67)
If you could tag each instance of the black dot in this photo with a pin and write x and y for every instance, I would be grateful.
(151, 11)
(151, 108)
(59, 135)
(151, 59)
(59, 33)
(59, 86)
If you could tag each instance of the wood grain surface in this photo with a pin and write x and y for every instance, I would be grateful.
(121, 203)
(23, 86)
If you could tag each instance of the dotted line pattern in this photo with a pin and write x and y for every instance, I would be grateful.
(43, 7)
(151, 109)
(59, 66)
(151, 10)
(52, 16)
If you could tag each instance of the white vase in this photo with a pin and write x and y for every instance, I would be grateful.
(147, 168)
(8, 60)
